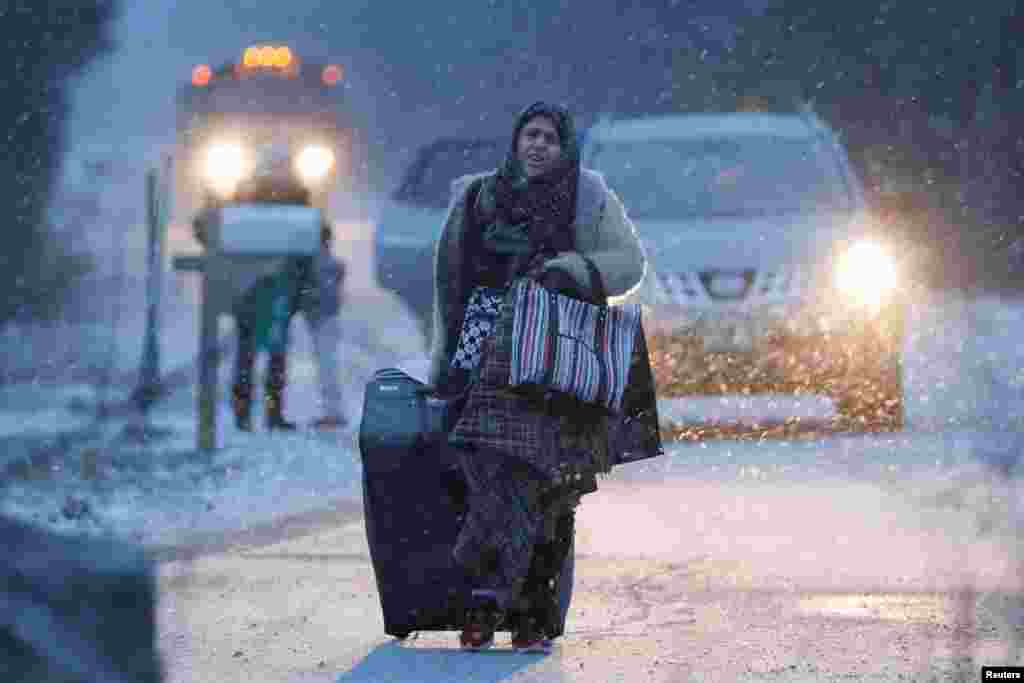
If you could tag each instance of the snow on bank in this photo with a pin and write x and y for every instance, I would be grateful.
(163, 492)
(964, 403)
(964, 363)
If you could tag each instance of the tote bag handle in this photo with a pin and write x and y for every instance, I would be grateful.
(596, 282)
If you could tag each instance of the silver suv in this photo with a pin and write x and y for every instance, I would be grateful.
(767, 272)
(411, 218)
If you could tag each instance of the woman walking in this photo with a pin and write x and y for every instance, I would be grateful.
(528, 459)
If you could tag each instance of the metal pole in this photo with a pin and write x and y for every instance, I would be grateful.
(149, 365)
(163, 198)
(209, 361)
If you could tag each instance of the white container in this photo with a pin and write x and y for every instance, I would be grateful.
(269, 229)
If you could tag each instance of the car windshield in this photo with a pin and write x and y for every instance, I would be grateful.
(749, 175)
(428, 182)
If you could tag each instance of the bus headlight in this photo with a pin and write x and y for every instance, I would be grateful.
(224, 166)
(314, 163)
(866, 273)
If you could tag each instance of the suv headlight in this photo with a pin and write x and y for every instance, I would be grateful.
(224, 166)
(313, 163)
(866, 273)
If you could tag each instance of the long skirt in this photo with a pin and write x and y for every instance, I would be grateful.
(516, 532)
(526, 459)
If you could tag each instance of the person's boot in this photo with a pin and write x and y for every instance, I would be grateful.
(529, 636)
(275, 420)
(481, 621)
(241, 405)
(277, 373)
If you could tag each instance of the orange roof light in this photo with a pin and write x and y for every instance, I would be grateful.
(332, 74)
(267, 57)
(201, 75)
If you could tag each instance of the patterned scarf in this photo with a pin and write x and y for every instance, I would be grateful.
(545, 205)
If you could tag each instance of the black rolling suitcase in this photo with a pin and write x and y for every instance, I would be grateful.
(413, 502)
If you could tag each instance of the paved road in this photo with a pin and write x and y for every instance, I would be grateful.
(878, 558)
(696, 569)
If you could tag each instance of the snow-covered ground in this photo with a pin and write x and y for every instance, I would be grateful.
(838, 527)
(161, 491)
(965, 405)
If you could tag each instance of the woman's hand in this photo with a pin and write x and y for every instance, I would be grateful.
(538, 266)
(560, 281)
(555, 277)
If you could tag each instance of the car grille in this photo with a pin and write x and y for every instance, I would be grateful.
(696, 288)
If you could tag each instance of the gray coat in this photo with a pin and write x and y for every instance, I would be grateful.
(603, 233)
(606, 236)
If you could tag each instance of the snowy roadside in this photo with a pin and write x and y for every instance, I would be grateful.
(61, 380)
(964, 391)
(163, 492)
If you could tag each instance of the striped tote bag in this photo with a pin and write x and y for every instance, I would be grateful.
(571, 346)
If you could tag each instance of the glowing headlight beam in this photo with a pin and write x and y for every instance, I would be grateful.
(224, 166)
(866, 273)
(314, 163)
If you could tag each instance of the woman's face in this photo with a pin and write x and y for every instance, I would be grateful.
(539, 146)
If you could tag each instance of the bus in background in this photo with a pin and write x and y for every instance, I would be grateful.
(270, 112)
(266, 112)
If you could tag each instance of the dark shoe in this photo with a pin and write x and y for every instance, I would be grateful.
(529, 638)
(243, 423)
(478, 630)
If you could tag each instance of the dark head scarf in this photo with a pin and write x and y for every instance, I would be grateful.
(546, 204)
